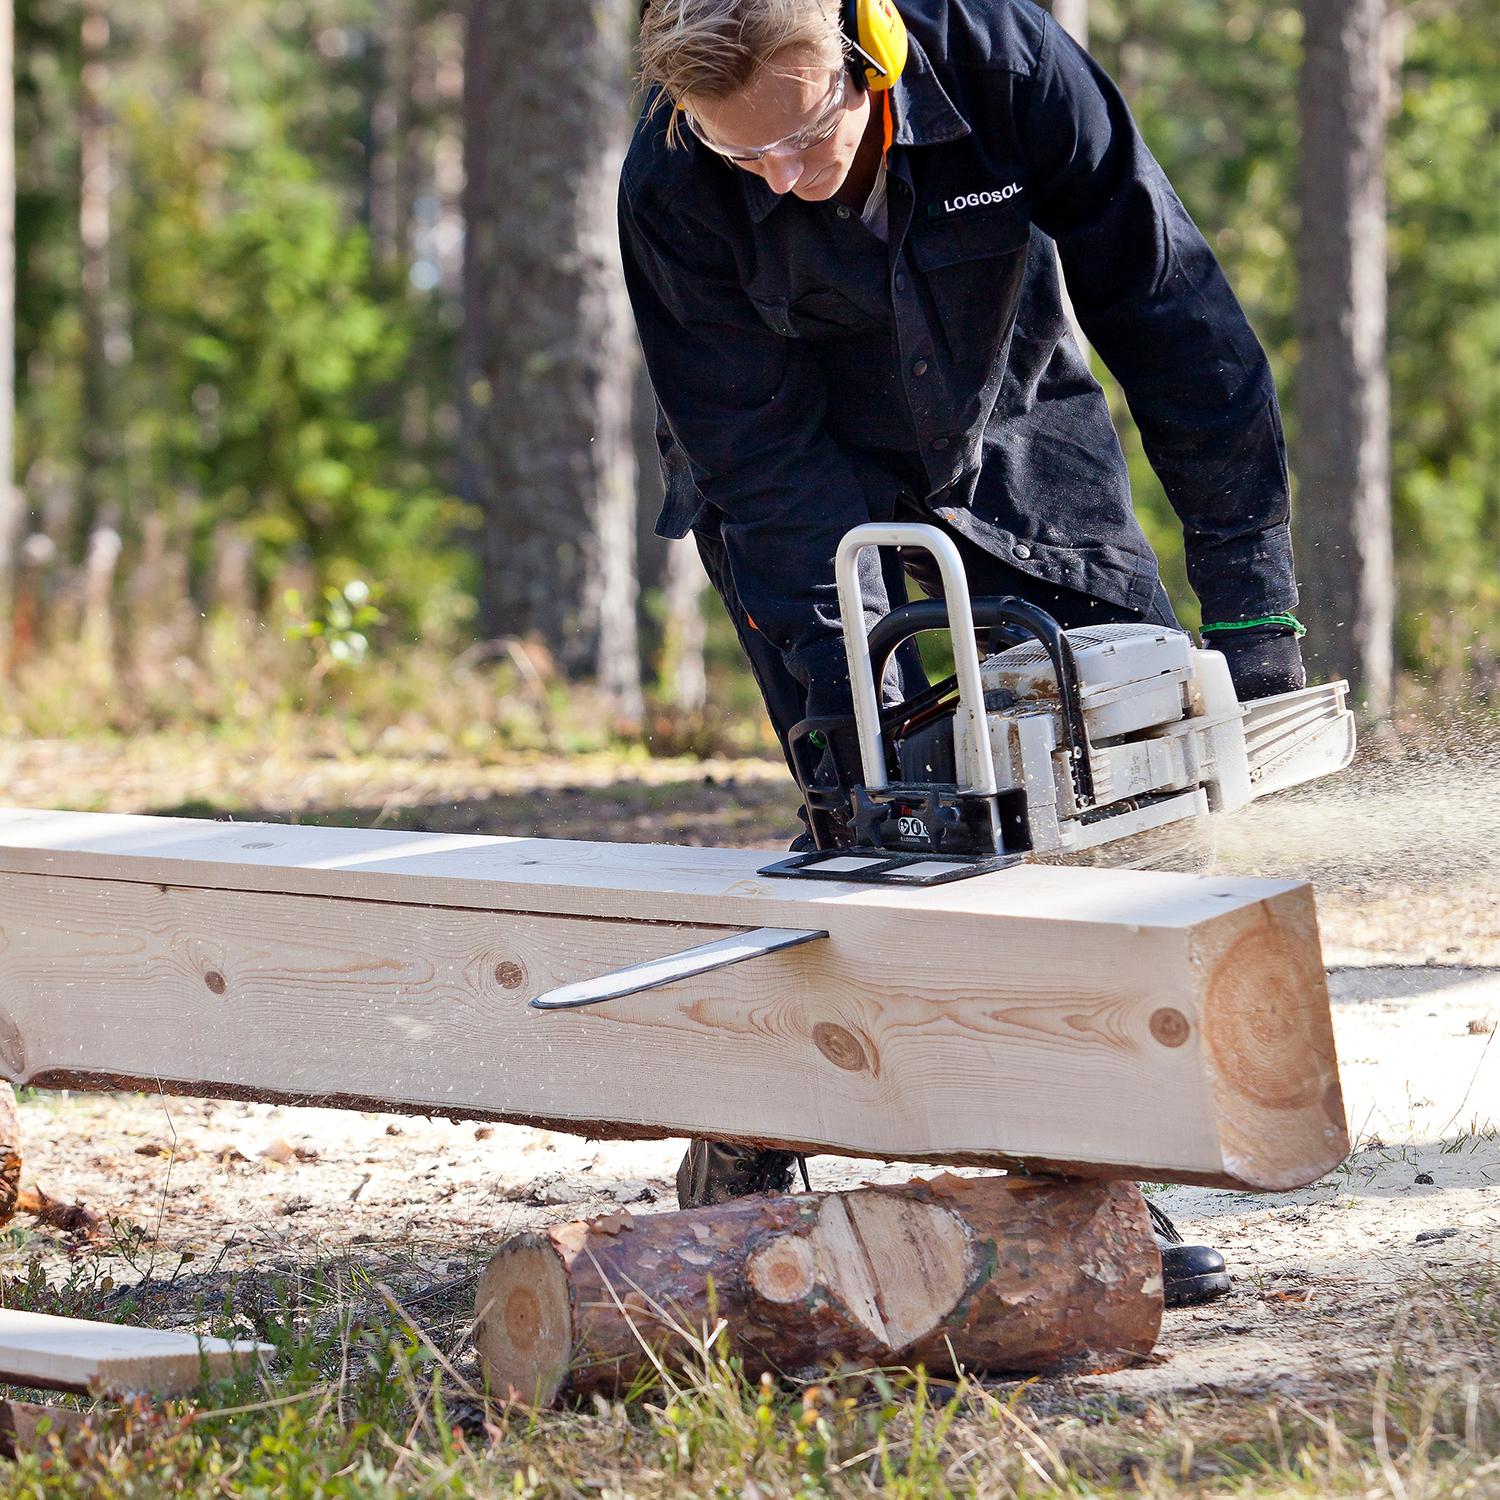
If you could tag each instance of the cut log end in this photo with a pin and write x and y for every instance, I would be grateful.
(524, 1332)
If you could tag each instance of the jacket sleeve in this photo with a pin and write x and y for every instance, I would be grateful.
(1152, 300)
(746, 407)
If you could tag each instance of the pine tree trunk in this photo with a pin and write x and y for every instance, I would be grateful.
(1342, 453)
(996, 1275)
(547, 357)
(11, 514)
(1073, 17)
(94, 190)
(684, 679)
(390, 127)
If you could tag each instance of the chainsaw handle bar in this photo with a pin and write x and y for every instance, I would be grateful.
(932, 614)
(960, 618)
(868, 654)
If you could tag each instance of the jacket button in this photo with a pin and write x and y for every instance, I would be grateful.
(1021, 550)
(900, 281)
(841, 211)
(920, 368)
(939, 443)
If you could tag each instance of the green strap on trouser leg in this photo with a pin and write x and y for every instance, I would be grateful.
(1291, 622)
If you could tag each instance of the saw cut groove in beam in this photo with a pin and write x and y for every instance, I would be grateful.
(1102, 1022)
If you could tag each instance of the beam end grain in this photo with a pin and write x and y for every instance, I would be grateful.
(1269, 1045)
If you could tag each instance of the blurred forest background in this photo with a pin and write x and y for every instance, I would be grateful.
(327, 410)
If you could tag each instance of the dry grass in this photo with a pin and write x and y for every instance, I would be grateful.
(373, 1393)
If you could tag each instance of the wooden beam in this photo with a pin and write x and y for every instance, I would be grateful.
(1098, 1021)
(97, 1359)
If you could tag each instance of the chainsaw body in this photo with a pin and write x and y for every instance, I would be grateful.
(1050, 743)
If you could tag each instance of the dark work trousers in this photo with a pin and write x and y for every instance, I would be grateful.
(785, 697)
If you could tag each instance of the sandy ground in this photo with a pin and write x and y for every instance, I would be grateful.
(1406, 860)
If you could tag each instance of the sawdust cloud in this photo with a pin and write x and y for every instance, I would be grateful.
(1419, 810)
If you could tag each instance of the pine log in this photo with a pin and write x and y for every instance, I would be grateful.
(10, 1153)
(997, 1275)
(71, 1218)
(26, 1427)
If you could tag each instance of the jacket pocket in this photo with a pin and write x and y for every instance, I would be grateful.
(969, 234)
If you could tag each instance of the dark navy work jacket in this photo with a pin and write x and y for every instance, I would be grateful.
(808, 373)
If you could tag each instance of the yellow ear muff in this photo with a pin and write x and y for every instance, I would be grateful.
(879, 35)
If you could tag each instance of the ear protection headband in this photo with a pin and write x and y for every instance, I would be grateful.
(878, 35)
(876, 32)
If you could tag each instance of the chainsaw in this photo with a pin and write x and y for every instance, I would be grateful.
(1054, 745)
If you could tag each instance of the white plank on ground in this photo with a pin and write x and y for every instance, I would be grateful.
(74, 1354)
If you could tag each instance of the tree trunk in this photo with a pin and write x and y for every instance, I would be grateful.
(94, 187)
(547, 357)
(11, 514)
(1073, 17)
(997, 1275)
(1343, 395)
(393, 48)
(684, 680)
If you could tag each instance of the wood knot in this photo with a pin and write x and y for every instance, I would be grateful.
(840, 1046)
(215, 981)
(523, 1318)
(1170, 1027)
(510, 974)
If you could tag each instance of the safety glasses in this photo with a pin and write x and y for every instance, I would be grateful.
(823, 125)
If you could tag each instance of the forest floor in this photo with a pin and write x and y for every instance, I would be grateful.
(1365, 1317)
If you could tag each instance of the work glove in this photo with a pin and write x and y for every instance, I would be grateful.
(1264, 659)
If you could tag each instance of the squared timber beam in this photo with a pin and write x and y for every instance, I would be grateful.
(1100, 1022)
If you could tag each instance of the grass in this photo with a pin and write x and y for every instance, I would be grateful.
(373, 1393)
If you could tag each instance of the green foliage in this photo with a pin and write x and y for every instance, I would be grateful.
(1214, 89)
(1444, 186)
(270, 375)
(275, 351)
(339, 629)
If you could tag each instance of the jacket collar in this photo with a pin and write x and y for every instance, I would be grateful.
(923, 114)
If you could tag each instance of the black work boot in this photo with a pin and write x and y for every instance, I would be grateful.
(716, 1171)
(1190, 1274)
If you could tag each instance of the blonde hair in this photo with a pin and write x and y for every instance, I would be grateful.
(709, 49)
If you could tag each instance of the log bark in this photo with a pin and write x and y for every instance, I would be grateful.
(997, 1275)
(10, 1153)
(70, 1218)
(26, 1427)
